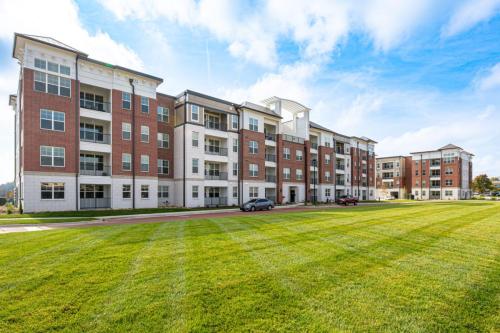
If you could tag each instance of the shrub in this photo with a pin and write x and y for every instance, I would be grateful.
(10, 208)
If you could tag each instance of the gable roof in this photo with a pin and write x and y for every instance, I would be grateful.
(260, 108)
(312, 124)
(450, 146)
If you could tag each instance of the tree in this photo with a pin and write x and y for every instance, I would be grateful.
(482, 184)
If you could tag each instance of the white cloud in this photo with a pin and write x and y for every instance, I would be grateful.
(468, 14)
(61, 21)
(490, 80)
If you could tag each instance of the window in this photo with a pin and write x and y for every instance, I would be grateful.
(327, 159)
(423, 192)
(52, 120)
(195, 113)
(234, 121)
(194, 168)
(286, 153)
(416, 182)
(194, 139)
(144, 134)
(235, 191)
(416, 192)
(235, 169)
(144, 163)
(253, 124)
(126, 131)
(144, 104)
(328, 176)
(448, 182)
(328, 192)
(298, 174)
(163, 191)
(423, 171)
(253, 170)
(416, 172)
(235, 145)
(449, 171)
(424, 183)
(51, 156)
(253, 147)
(163, 140)
(144, 191)
(49, 191)
(163, 167)
(126, 191)
(286, 173)
(298, 155)
(50, 83)
(162, 114)
(40, 63)
(448, 193)
(253, 192)
(126, 162)
(126, 100)
(194, 191)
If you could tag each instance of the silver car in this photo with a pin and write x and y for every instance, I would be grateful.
(257, 204)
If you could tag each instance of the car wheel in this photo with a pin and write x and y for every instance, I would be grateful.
(252, 208)
(269, 207)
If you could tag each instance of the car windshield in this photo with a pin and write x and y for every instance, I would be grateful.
(250, 201)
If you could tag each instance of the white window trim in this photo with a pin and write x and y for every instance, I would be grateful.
(52, 154)
(52, 121)
(130, 132)
(53, 199)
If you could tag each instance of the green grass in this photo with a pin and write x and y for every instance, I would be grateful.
(405, 268)
(44, 220)
(110, 212)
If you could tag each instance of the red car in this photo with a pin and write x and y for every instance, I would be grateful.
(346, 200)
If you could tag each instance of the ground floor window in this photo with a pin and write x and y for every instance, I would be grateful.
(126, 191)
(144, 191)
(253, 192)
(235, 191)
(328, 192)
(448, 193)
(91, 191)
(194, 191)
(52, 191)
(163, 191)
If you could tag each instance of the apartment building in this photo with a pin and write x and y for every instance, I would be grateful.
(444, 174)
(394, 177)
(92, 135)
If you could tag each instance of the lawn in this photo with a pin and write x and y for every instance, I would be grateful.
(414, 268)
(33, 220)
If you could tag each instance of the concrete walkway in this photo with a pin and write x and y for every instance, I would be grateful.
(161, 217)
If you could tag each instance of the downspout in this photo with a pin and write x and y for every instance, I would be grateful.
(184, 152)
(131, 81)
(77, 135)
(20, 103)
(240, 158)
(421, 172)
(358, 167)
(335, 169)
(441, 177)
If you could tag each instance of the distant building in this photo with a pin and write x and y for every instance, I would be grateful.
(445, 173)
(393, 176)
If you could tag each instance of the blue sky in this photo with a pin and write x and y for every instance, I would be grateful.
(413, 75)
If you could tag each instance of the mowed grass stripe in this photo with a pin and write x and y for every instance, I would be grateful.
(425, 267)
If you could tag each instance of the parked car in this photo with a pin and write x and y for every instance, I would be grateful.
(257, 204)
(346, 200)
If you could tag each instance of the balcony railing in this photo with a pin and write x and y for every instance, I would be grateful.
(94, 170)
(314, 145)
(88, 136)
(340, 167)
(95, 203)
(94, 105)
(216, 201)
(292, 138)
(340, 151)
(270, 157)
(214, 150)
(340, 182)
(271, 178)
(270, 136)
(216, 125)
(216, 176)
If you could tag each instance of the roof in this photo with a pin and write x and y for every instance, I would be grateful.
(60, 45)
(47, 41)
(364, 138)
(12, 100)
(287, 104)
(386, 157)
(259, 108)
(450, 146)
(318, 126)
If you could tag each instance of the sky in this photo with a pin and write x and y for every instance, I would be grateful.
(413, 75)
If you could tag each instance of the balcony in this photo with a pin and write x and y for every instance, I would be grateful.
(339, 151)
(314, 180)
(215, 125)
(270, 157)
(95, 105)
(340, 182)
(94, 170)
(215, 150)
(216, 201)
(211, 175)
(340, 167)
(95, 203)
(314, 145)
(270, 136)
(271, 178)
(95, 137)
